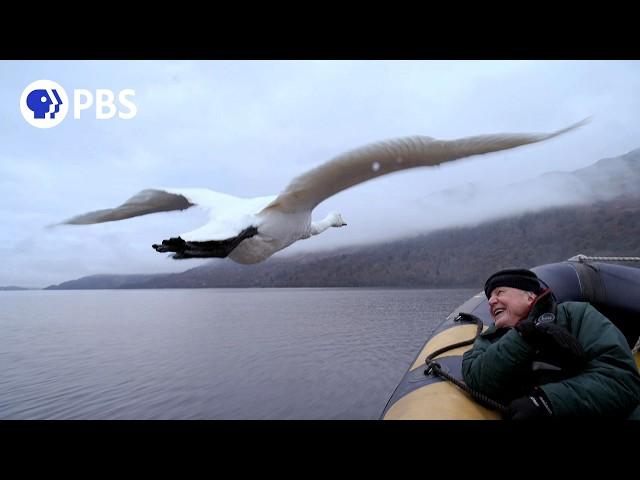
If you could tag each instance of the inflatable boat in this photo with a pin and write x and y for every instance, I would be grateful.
(429, 393)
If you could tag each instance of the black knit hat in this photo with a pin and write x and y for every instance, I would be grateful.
(515, 278)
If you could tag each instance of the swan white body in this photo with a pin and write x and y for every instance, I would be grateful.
(230, 215)
(249, 230)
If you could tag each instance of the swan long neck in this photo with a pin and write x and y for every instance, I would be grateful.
(322, 225)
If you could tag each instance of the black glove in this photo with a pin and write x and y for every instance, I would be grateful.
(554, 343)
(543, 312)
(535, 405)
(528, 329)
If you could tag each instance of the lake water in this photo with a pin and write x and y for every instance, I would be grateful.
(306, 353)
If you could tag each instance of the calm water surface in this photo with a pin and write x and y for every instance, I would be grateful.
(211, 353)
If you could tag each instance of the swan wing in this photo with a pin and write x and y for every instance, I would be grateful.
(371, 161)
(228, 215)
(142, 203)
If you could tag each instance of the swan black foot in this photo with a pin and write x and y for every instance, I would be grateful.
(175, 244)
(212, 248)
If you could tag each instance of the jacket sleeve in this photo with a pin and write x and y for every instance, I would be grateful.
(609, 384)
(495, 369)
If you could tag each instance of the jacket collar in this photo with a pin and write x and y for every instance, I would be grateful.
(544, 303)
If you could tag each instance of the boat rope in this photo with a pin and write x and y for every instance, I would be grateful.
(585, 258)
(435, 368)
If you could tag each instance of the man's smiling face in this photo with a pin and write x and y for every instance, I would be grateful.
(509, 305)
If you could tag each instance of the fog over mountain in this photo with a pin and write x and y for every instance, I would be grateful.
(475, 203)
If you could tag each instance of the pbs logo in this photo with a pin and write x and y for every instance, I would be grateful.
(44, 103)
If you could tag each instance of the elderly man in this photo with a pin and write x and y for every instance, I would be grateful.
(546, 359)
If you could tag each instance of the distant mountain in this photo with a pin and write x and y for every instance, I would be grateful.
(610, 177)
(103, 281)
(600, 217)
(13, 288)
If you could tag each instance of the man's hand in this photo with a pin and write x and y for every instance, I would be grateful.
(535, 405)
(528, 330)
(555, 343)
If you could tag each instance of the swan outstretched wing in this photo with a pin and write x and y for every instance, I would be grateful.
(228, 215)
(142, 203)
(371, 161)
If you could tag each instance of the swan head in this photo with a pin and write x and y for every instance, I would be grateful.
(336, 220)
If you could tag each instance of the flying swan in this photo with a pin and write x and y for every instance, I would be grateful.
(250, 230)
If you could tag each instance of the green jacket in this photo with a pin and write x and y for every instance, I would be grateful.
(503, 366)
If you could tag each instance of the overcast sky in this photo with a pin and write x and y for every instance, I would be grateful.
(247, 127)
